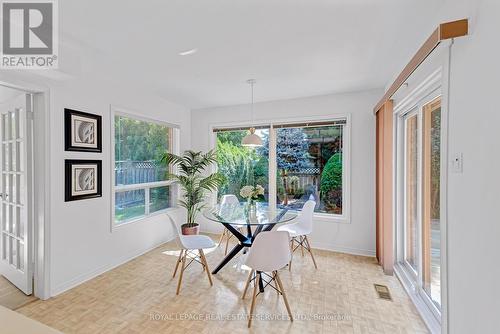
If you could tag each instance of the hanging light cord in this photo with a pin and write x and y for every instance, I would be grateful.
(252, 83)
(252, 139)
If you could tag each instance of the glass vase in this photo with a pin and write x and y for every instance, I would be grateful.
(251, 205)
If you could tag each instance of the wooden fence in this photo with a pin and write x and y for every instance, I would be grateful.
(135, 172)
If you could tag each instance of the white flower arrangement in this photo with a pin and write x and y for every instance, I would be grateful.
(252, 192)
(246, 191)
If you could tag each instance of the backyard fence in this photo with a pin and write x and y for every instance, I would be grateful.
(301, 185)
(136, 172)
(306, 177)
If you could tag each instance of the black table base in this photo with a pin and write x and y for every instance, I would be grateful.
(243, 241)
(246, 241)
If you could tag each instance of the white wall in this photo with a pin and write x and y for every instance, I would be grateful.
(357, 236)
(473, 195)
(81, 243)
(473, 203)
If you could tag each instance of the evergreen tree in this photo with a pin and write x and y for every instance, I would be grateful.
(292, 149)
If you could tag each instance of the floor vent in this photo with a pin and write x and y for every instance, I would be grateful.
(383, 292)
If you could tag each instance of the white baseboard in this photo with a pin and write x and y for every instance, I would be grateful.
(94, 273)
(342, 249)
(321, 245)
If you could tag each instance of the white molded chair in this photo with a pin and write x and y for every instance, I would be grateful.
(300, 230)
(189, 244)
(269, 252)
(228, 200)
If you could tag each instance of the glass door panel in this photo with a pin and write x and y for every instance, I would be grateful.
(15, 186)
(419, 226)
(411, 190)
(431, 231)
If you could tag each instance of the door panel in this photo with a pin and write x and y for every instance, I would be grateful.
(411, 193)
(431, 231)
(419, 185)
(15, 202)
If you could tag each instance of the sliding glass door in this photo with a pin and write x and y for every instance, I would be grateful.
(418, 205)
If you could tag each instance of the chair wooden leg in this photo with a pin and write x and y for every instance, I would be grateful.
(182, 272)
(227, 244)
(310, 251)
(179, 260)
(247, 284)
(278, 280)
(302, 245)
(203, 264)
(201, 259)
(204, 260)
(222, 237)
(291, 254)
(252, 306)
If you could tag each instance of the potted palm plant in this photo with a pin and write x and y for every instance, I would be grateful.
(194, 183)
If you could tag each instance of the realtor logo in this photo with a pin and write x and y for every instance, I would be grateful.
(29, 34)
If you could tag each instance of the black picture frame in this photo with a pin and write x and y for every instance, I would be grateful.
(69, 193)
(70, 132)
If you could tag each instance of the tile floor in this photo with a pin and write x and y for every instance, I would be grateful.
(139, 297)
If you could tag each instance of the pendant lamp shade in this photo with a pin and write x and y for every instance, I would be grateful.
(251, 139)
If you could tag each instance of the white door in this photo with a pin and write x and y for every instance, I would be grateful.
(15, 195)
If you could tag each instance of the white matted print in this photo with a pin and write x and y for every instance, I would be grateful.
(84, 131)
(84, 179)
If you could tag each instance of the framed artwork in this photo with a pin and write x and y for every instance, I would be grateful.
(82, 131)
(83, 179)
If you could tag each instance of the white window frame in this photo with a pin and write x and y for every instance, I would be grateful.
(344, 218)
(414, 112)
(118, 111)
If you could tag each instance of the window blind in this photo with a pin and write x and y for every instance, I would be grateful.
(286, 125)
(241, 128)
(310, 124)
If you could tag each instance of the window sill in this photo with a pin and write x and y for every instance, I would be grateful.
(331, 218)
(140, 219)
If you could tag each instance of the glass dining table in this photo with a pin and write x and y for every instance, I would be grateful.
(246, 222)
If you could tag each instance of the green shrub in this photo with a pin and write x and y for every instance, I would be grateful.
(240, 166)
(331, 180)
(331, 177)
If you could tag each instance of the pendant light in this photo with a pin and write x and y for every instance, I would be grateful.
(251, 139)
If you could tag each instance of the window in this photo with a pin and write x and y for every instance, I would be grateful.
(141, 187)
(308, 163)
(242, 165)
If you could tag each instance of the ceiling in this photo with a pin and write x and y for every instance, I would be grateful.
(8, 94)
(294, 48)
